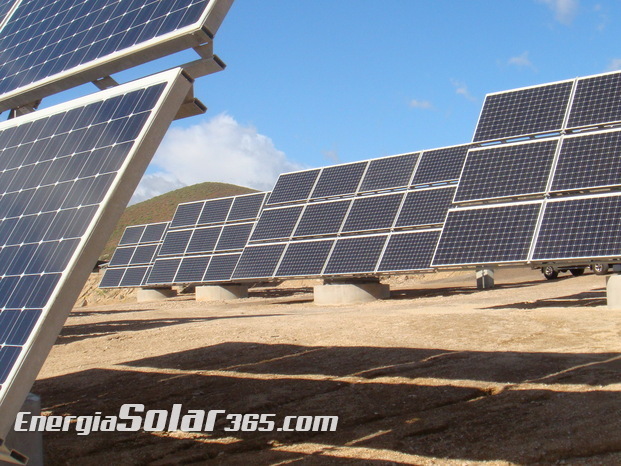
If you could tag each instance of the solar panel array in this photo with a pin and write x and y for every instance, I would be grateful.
(133, 260)
(204, 240)
(551, 108)
(52, 45)
(376, 216)
(66, 173)
(562, 190)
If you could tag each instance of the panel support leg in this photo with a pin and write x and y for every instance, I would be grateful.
(221, 292)
(485, 279)
(349, 291)
(613, 290)
(154, 294)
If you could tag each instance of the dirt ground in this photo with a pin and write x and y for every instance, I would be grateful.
(528, 372)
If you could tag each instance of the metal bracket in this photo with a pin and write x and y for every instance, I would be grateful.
(105, 83)
(24, 109)
(191, 106)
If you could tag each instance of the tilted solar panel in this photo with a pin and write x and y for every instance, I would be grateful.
(47, 46)
(389, 172)
(409, 251)
(291, 187)
(597, 100)
(339, 180)
(440, 165)
(532, 110)
(111, 136)
(488, 235)
(588, 161)
(507, 170)
(580, 228)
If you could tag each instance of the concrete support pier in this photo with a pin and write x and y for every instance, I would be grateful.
(485, 279)
(154, 294)
(29, 444)
(335, 292)
(613, 291)
(221, 292)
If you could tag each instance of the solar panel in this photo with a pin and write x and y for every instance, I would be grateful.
(507, 170)
(51, 45)
(134, 276)
(339, 180)
(291, 187)
(276, 223)
(425, 207)
(164, 271)
(132, 235)
(322, 218)
(259, 261)
(186, 214)
(357, 255)
(490, 235)
(117, 130)
(304, 258)
(246, 207)
(234, 236)
(214, 210)
(204, 240)
(389, 172)
(577, 228)
(192, 269)
(597, 100)
(373, 212)
(589, 161)
(440, 165)
(409, 251)
(221, 268)
(175, 242)
(527, 111)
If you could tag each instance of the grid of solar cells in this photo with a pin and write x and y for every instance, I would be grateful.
(259, 261)
(76, 163)
(488, 235)
(520, 112)
(440, 165)
(45, 39)
(322, 218)
(276, 223)
(291, 187)
(589, 161)
(507, 171)
(597, 100)
(389, 172)
(425, 207)
(580, 228)
(207, 230)
(134, 257)
(356, 255)
(339, 180)
(304, 258)
(409, 251)
(373, 212)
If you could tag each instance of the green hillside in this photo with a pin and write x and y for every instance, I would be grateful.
(162, 208)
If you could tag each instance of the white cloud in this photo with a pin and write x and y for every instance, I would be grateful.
(462, 89)
(521, 61)
(564, 10)
(422, 104)
(218, 149)
(614, 65)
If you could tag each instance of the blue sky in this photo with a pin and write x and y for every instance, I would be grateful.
(313, 83)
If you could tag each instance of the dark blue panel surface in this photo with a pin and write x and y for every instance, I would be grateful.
(409, 251)
(355, 255)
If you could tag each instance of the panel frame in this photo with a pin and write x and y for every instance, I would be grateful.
(59, 304)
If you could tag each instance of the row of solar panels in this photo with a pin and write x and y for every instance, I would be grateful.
(562, 106)
(388, 214)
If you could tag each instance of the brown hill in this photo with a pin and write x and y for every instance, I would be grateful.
(162, 208)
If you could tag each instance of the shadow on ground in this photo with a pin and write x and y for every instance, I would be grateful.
(395, 404)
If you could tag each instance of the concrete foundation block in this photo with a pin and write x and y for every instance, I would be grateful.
(485, 279)
(156, 294)
(613, 291)
(29, 444)
(221, 292)
(349, 293)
